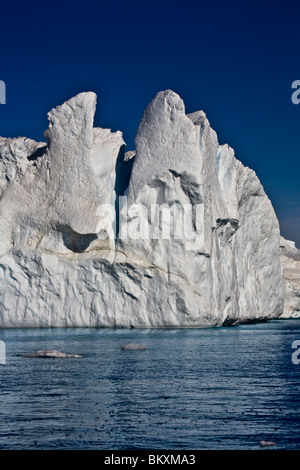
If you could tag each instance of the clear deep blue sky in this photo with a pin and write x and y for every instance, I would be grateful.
(236, 60)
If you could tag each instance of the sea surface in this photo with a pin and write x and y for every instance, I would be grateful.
(225, 388)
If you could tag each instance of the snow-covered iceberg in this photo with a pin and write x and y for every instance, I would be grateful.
(177, 233)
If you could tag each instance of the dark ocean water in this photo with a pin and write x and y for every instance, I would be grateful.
(226, 388)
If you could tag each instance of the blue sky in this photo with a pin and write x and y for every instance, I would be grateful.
(236, 60)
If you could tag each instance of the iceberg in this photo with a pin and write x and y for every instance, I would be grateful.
(176, 233)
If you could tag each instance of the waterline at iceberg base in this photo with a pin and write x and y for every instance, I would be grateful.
(64, 265)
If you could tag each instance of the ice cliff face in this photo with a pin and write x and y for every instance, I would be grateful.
(176, 233)
(290, 258)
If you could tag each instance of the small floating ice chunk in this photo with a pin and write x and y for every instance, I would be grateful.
(50, 354)
(133, 346)
(267, 443)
